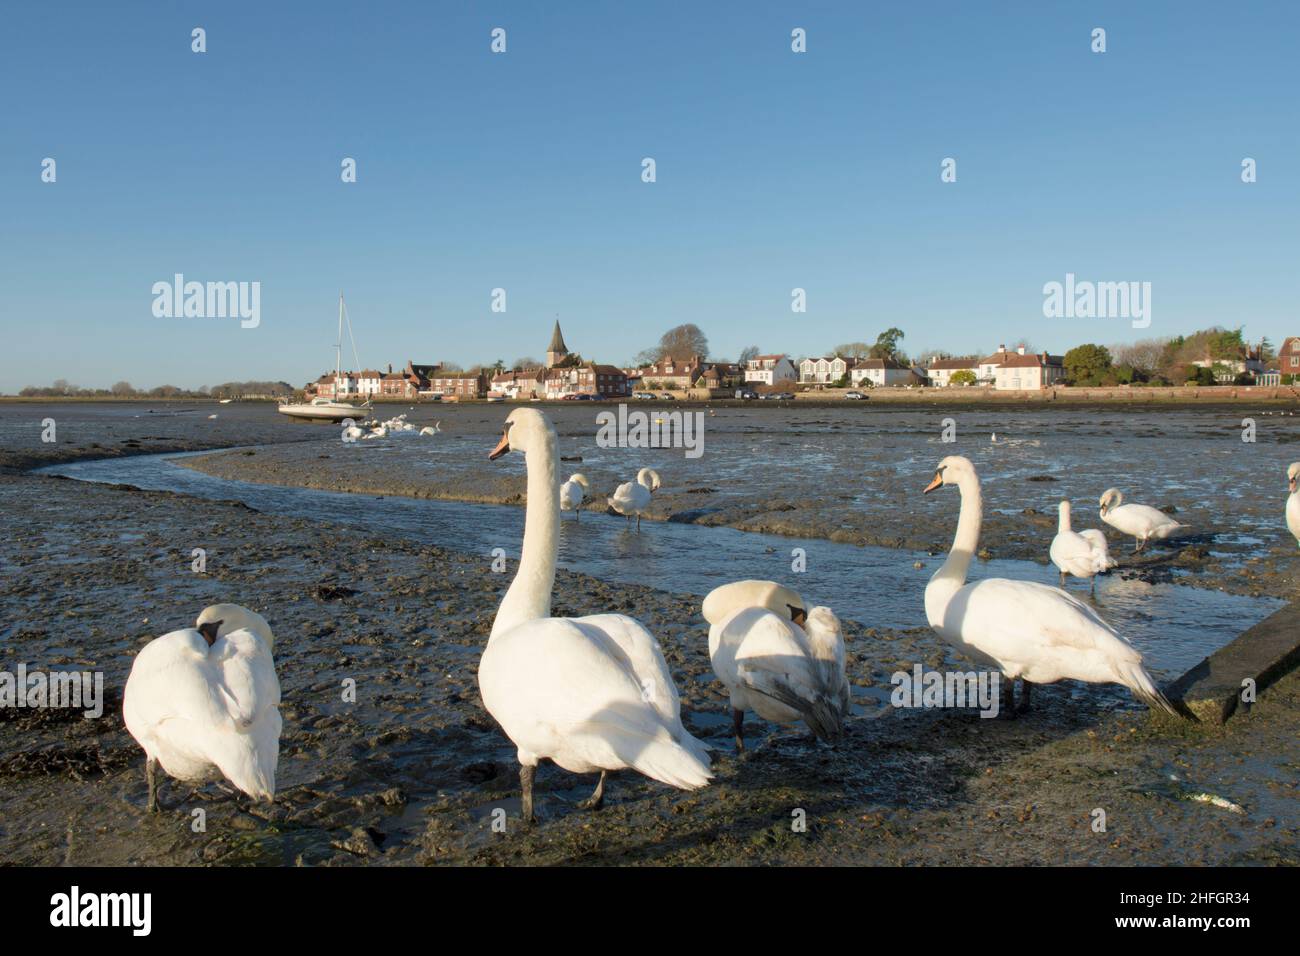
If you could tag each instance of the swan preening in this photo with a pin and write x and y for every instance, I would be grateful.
(1025, 629)
(777, 659)
(1293, 500)
(633, 497)
(203, 702)
(1141, 521)
(573, 493)
(1082, 554)
(589, 693)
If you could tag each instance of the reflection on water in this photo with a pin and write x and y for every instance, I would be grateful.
(1174, 627)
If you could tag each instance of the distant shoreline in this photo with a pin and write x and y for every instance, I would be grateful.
(1145, 397)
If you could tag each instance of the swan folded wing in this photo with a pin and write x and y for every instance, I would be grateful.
(247, 687)
(1013, 621)
(644, 656)
(1071, 547)
(1100, 549)
(169, 681)
(774, 660)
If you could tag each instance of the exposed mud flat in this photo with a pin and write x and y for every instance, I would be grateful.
(412, 772)
(854, 475)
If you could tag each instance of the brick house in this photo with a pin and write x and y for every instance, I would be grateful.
(603, 380)
(458, 384)
(1288, 356)
(671, 372)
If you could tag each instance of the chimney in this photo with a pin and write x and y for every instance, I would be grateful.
(1020, 350)
(1002, 348)
(390, 368)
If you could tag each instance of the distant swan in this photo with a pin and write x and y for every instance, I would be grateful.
(572, 494)
(1083, 554)
(430, 430)
(633, 497)
(1293, 500)
(1141, 521)
(783, 663)
(1025, 629)
(204, 703)
(589, 693)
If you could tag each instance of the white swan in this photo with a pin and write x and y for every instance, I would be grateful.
(772, 665)
(633, 497)
(1083, 554)
(204, 703)
(589, 693)
(572, 494)
(430, 430)
(1141, 521)
(1025, 629)
(1293, 500)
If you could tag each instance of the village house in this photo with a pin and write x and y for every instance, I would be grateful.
(517, 383)
(941, 371)
(770, 369)
(368, 383)
(671, 372)
(720, 375)
(988, 366)
(877, 372)
(1288, 356)
(332, 386)
(458, 384)
(824, 371)
(1019, 372)
(603, 380)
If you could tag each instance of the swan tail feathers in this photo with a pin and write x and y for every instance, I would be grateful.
(822, 714)
(671, 763)
(682, 763)
(1135, 677)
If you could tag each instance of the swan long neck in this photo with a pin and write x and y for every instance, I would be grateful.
(952, 575)
(529, 596)
(1063, 523)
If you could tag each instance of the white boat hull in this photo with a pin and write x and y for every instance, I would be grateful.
(324, 412)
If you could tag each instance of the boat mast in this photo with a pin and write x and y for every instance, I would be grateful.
(338, 350)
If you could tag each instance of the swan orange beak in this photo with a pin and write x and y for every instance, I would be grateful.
(503, 446)
(938, 482)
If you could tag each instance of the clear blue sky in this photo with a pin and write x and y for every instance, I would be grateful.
(522, 171)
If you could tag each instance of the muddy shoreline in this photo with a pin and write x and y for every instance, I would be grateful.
(410, 774)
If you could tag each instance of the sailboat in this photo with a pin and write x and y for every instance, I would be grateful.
(327, 409)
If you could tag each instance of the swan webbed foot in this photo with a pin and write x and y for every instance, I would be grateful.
(151, 777)
(597, 798)
(1023, 706)
(526, 775)
(738, 725)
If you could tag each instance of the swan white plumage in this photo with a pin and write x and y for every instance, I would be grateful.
(783, 663)
(203, 702)
(1025, 629)
(430, 430)
(1141, 521)
(573, 493)
(1083, 554)
(633, 497)
(589, 693)
(726, 598)
(1293, 500)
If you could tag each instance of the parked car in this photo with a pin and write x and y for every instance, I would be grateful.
(643, 395)
(784, 396)
(746, 393)
(667, 397)
(855, 396)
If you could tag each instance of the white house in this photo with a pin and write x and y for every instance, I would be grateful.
(1020, 372)
(369, 383)
(988, 366)
(876, 372)
(941, 371)
(823, 371)
(770, 369)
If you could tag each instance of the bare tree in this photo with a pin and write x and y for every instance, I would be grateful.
(526, 362)
(682, 341)
(123, 389)
(747, 353)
